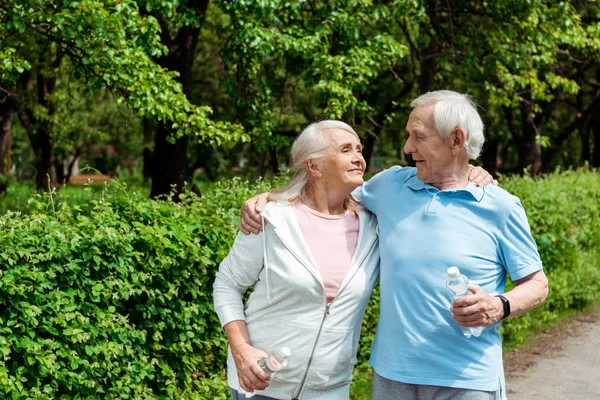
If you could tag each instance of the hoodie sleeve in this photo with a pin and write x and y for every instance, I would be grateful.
(237, 272)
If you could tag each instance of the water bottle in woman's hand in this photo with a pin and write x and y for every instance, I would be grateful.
(272, 363)
(458, 286)
(275, 362)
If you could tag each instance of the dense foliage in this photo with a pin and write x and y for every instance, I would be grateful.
(110, 296)
(188, 75)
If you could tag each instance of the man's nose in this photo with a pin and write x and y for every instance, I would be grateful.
(408, 146)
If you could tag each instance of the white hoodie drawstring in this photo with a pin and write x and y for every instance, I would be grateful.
(266, 260)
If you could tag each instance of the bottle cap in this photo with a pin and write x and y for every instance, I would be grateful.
(284, 352)
(453, 272)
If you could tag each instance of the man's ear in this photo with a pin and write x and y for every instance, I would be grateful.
(313, 168)
(459, 139)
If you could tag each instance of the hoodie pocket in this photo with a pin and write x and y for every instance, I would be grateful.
(300, 339)
(333, 359)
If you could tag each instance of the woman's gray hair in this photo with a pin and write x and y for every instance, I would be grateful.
(312, 144)
(455, 110)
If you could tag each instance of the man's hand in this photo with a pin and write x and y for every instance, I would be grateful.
(250, 221)
(480, 177)
(250, 374)
(477, 309)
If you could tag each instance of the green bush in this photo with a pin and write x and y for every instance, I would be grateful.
(113, 298)
(110, 296)
(563, 210)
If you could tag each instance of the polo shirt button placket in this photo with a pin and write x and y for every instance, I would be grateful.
(434, 204)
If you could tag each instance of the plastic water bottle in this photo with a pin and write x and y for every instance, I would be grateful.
(272, 363)
(275, 362)
(458, 286)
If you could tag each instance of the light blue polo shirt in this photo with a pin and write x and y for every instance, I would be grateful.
(423, 232)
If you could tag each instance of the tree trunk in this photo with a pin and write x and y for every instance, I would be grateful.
(529, 151)
(596, 136)
(368, 147)
(147, 153)
(427, 77)
(42, 144)
(260, 163)
(43, 159)
(37, 131)
(586, 149)
(170, 160)
(428, 59)
(274, 161)
(7, 113)
(59, 170)
(489, 156)
(168, 166)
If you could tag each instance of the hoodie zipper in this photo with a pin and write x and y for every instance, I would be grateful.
(312, 353)
(300, 388)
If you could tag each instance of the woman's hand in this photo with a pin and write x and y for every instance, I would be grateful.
(250, 374)
(480, 177)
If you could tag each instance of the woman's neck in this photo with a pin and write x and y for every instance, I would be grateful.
(325, 201)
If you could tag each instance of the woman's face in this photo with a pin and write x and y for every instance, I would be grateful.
(344, 165)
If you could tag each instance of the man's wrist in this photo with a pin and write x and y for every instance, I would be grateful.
(504, 306)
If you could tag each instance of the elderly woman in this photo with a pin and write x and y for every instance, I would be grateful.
(312, 270)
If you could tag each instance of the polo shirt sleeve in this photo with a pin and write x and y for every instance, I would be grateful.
(369, 193)
(518, 249)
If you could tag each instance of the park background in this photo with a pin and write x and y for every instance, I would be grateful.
(191, 106)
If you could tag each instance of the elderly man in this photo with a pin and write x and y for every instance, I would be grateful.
(430, 218)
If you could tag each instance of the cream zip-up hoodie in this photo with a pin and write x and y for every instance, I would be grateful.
(288, 306)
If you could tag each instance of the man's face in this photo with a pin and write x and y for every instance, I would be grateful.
(433, 155)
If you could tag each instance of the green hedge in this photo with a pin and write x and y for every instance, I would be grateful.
(112, 298)
(564, 213)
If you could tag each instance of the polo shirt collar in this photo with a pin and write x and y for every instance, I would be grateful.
(415, 183)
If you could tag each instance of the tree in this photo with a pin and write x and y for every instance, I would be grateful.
(293, 62)
(111, 46)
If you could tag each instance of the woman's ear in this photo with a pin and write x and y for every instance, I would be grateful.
(313, 168)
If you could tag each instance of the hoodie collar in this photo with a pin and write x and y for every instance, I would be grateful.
(285, 223)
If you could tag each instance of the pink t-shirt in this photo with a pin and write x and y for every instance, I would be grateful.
(332, 240)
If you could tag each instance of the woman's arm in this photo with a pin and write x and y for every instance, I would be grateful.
(250, 219)
(238, 271)
(250, 374)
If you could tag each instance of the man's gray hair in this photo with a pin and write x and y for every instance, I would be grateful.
(455, 110)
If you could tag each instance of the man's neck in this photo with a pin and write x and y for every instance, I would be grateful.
(456, 179)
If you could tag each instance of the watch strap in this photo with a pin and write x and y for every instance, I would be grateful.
(505, 304)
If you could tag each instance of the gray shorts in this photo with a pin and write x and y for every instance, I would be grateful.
(385, 389)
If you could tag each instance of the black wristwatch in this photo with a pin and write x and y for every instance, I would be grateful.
(506, 305)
